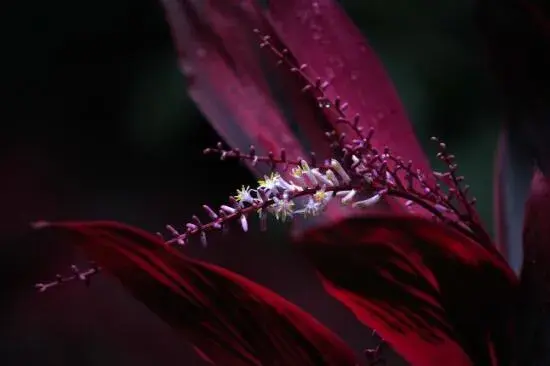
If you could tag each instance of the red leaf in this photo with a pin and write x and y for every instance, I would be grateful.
(231, 80)
(436, 296)
(320, 34)
(231, 320)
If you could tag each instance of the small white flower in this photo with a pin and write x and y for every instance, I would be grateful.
(298, 179)
(283, 184)
(227, 209)
(332, 177)
(244, 195)
(441, 208)
(368, 202)
(269, 184)
(244, 223)
(389, 179)
(307, 173)
(311, 208)
(204, 242)
(322, 196)
(282, 208)
(340, 170)
(293, 188)
(296, 172)
(321, 177)
(349, 196)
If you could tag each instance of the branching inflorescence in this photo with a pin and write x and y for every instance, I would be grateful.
(357, 175)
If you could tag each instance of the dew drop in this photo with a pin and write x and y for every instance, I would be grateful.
(316, 8)
(201, 53)
(336, 62)
(329, 72)
(187, 69)
(324, 103)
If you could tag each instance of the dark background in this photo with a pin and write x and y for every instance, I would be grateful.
(97, 125)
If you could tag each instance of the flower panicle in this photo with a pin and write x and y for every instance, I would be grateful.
(306, 192)
(360, 176)
(357, 174)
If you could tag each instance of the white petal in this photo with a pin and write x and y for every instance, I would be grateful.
(338, 168)
(227, 209)
(244, 223)
(368, 202)
(349, 197)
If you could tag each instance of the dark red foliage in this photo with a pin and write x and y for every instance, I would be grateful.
(320, 34)
(229, 319)
(436, 296)
(229, 76)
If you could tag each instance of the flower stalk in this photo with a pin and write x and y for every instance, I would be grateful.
(77, 275)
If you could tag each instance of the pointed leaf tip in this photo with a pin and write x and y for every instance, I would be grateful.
(230, 319)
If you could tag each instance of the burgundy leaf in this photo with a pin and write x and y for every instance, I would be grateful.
(230, 319)
(433, 294)
(534, 316)
(231, 78)
(320, 34)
